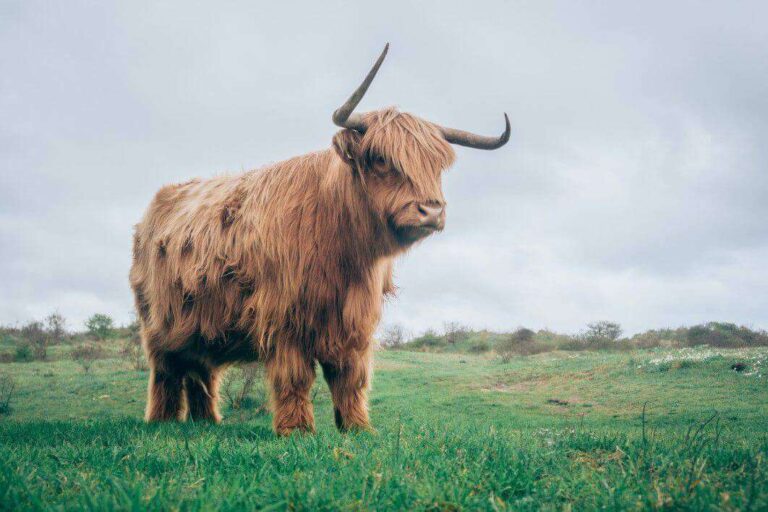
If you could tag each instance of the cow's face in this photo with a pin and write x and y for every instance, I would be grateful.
(411, 211)
(399, 161)
(399, 158)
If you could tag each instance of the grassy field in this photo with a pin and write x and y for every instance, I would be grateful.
(455, 431)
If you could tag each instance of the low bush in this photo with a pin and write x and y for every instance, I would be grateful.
(574, 343)
(725, 335)
(454, 332)
(37, 339)
(522, 342)
(85, 355)
(480, 346)
(100, 326)
(23, 353)
(393, 336)
(243, 387)
(55, 325)
(429, 339)
(132, 351)
(603, 331)
(648, 339)
(6, 337)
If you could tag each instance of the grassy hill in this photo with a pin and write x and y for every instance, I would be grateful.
(557, 430)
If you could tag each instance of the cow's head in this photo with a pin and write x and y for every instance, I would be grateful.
(399, 159)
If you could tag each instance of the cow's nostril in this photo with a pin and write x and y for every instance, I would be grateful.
(431, 216)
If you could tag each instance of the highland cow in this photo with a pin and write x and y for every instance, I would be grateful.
(288, 265)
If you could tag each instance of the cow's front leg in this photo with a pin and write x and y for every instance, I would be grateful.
(291, 374)
(165, 400)
(349, 381)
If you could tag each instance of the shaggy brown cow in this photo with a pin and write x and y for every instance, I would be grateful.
(288, 265)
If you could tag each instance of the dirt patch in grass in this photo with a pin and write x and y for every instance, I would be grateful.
(523, 386)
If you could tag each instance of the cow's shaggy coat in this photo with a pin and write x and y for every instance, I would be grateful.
(287, 265)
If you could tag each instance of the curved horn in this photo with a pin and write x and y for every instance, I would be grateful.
(472, 140)
(343, 116)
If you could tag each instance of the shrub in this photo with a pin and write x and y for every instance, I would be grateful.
(7, 387)
(521, 342)
(393, 336)
(603, 331)
(55, 325)
(572, 343)
(100, 326)
(132, 350)
(454, 332)
(85, 355)
(6, 337)
(239, 383)
(598, 336)
(23, 353)
(553, 339)
(479, 347)
(753, 338)
(725, 335)
(698, 335)
(429, 339)
(622, 345)
(648, 339)
(37, 339)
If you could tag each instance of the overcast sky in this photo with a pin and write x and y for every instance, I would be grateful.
(634, 187)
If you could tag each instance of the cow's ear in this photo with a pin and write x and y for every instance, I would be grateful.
(347, 144)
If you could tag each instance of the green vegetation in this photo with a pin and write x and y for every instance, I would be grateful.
(100, 326)
(597, 336)
(681, 428)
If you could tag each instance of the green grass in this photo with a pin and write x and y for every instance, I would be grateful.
(455, 431)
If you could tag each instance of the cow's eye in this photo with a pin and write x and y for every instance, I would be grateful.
(378, 164)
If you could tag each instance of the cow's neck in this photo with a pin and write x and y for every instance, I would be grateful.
(360, 237)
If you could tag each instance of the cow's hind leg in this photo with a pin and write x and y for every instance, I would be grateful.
(202, 387)
(349, 382)
(291, 374)
(165, 400)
